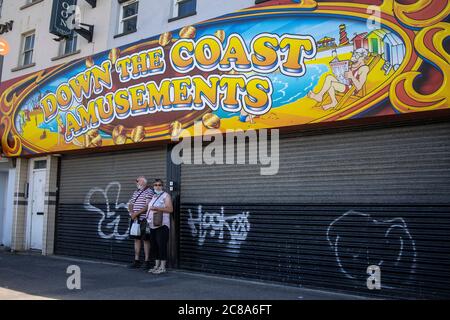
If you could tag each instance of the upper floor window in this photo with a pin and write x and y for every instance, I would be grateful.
(184, 8)
(26, 55)
(128, 16)
(68, 46)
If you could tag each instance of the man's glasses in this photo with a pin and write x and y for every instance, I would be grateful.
(157, 185)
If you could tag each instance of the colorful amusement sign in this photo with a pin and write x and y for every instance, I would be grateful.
(264, 67)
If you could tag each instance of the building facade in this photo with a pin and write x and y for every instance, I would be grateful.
(33, 48)
(361, 172)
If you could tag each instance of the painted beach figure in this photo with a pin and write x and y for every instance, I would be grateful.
(245, 117)
(355, 76)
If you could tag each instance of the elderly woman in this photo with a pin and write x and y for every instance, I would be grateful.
(158, 217)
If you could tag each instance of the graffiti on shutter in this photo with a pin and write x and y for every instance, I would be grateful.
(237, 225)
(108, 225)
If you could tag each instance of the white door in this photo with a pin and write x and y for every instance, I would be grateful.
(37, 209)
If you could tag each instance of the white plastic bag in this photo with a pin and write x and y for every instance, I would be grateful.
(135, 229)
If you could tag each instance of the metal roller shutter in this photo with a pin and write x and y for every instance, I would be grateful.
(92, 218)
(340, 203)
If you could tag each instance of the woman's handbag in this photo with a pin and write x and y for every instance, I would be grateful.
(157, 219)
(157, 216)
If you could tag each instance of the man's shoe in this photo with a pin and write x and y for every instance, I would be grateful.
(135, 265)
(146, 266)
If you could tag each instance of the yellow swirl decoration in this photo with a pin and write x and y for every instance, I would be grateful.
(16, 149)
(402, 91)
(423, 13)
(8, 106)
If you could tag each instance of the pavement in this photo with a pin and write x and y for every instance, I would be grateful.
(28, 276)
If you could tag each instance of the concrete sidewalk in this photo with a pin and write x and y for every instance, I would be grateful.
(32, 276)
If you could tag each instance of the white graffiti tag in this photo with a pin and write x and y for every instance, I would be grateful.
(387, 244)
(214, 223)
(111, 218)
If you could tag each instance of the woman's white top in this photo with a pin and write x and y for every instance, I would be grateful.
(158, 201)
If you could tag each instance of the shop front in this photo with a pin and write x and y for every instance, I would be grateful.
(92, 219)
(361, 162)
(341, 201)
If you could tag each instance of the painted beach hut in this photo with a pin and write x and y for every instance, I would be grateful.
(394, 50)
(375, 41)
(360, 41)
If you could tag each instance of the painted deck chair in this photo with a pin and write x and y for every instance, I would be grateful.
(352, 94)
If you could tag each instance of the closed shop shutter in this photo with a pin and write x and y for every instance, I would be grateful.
(341, 202)
(92, 218)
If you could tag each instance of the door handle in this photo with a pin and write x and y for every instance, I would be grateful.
(39, 213)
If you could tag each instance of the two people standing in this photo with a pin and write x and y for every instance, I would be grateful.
(155, 232)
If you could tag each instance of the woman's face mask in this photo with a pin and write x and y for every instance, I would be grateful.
(157, 187)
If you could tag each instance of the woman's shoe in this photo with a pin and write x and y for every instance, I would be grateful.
(153, 269)
(160, 270)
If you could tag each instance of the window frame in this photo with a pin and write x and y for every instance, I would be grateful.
(176, 10)
(63, 46)
(121, 25)
(24, 51)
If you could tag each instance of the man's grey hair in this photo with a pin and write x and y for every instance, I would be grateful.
(142, 178)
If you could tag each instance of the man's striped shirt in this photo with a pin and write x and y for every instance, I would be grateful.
(140, 199)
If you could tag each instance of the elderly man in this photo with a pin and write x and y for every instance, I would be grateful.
(357, 76)
(137, 208)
